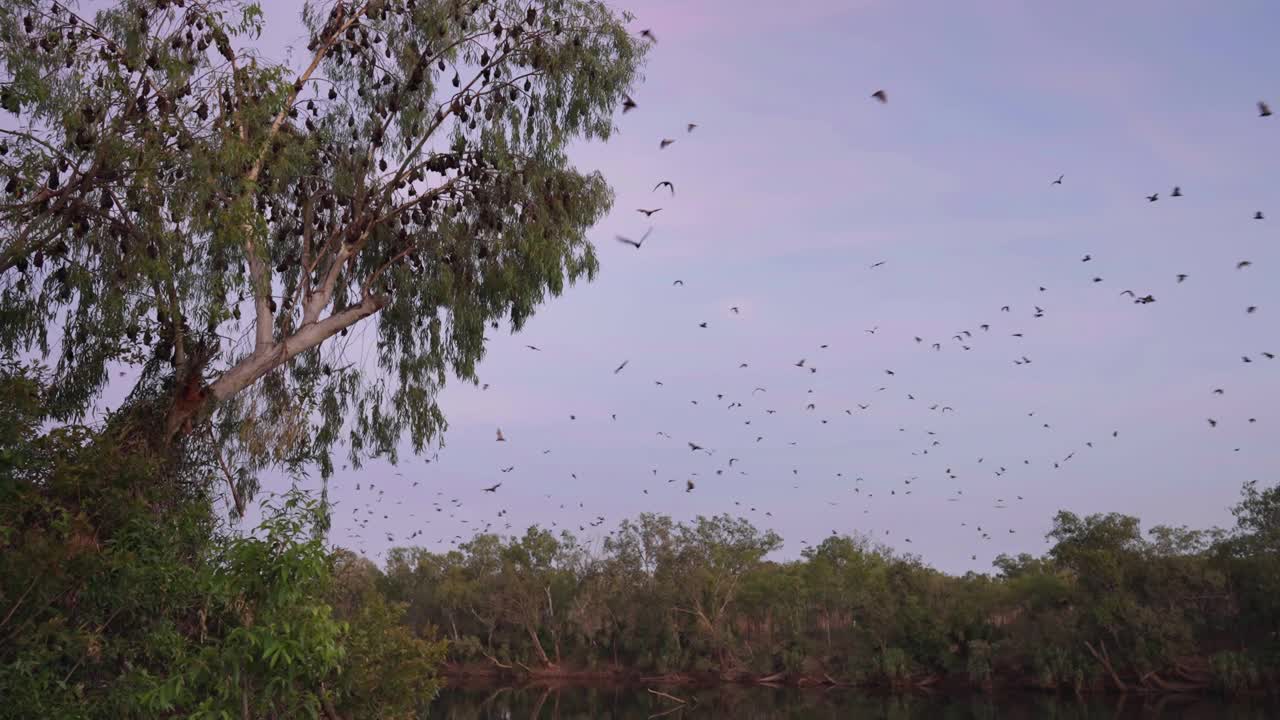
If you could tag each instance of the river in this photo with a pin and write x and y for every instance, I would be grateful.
(739, 703)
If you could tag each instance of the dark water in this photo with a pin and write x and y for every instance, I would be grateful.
(764, 704)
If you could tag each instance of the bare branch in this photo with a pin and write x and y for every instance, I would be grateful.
(257, 364)
(259, 273)
(318, 300)
(226, 471)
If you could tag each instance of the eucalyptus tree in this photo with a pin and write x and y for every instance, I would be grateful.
(713, 556)
(176, 203)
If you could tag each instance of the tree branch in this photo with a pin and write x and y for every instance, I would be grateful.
(373, 277)
(673, 698)
(308, 217)
(258, 273)
(175, 323)
(18, 604)
(258, 363)
(231, 483)
(326, 45)
(253, 367)
(318, 300)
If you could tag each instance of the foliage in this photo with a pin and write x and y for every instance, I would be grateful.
(278, 637)
(664, 596)
(121, 595)
(177, 203)
(1233, 672)
(210, 222)
(978, 661)
(894, 665)
(389, 672)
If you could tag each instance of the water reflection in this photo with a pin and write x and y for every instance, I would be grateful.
(458, 703)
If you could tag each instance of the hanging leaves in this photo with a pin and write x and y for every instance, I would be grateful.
(199, 194)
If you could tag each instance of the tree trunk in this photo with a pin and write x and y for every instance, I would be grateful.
(326, 705)
(537, 646)
(1105, 660)
(542, 700)
(189, 407)
(244, 699)
(826, 621)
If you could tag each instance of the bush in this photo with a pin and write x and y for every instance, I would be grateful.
(1233, 673)
(389, 672)
(978, 662)
(1057, 668)
(894, 665)
(122, 596)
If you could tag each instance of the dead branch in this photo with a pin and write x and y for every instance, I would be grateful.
(675, 709)
(494, 660)
(661, 694)
(1103, 658)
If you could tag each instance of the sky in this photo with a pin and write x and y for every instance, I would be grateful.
(794, 184)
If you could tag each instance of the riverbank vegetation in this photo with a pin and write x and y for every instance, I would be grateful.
(1109, 606)
(123, 594)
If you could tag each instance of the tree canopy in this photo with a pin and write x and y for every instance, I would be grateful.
(1107, 605)
(179, 205)
(123, 595)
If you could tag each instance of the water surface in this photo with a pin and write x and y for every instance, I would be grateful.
(738, 703)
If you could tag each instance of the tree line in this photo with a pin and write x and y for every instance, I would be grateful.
(124, 593)
(1106, 607)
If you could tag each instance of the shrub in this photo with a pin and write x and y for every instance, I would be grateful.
(1233, 673)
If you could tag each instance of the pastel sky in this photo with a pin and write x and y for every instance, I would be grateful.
(794, 184)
